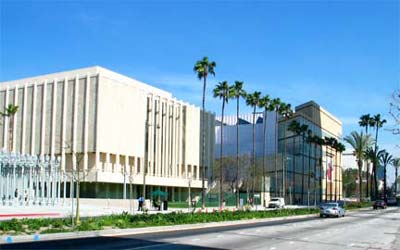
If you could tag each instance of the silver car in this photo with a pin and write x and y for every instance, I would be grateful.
(332, 209)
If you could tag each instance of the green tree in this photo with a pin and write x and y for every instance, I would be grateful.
(224, 92)
(10, 112)
(237, 93)
(253, 100)
(385, 159)
(377, 122)
(203, 68)
(360, 142)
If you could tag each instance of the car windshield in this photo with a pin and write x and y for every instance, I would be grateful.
(328, 205)
(274, 199)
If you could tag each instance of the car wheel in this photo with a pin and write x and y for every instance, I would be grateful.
(321, 216)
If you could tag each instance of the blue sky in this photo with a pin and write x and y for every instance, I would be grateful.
(342, 54)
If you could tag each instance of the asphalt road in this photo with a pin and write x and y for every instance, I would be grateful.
(361, 230)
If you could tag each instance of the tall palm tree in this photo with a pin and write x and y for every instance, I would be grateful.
(10, 112)
(294, 127)
(286, 112)
(253, 101)
(396, 165)
(365, 121)
(377, 123)
(265, 103)
(320, 142)
(237, 93)
(328, 144)
(309, 140)
(385, 159)
(203, 68)
(275, 105)
(340, 147)
(303, 131)
(372, 156)
(360, 142)
(224, 92)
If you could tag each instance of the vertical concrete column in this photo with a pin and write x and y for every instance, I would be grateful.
(167, 162)
(197, 172)
(150, 163)
(179, 142)
(43, 128)
(159, 132)
(33, 138)
(75, 120)
(86, 123)
(23, 139)
(53, 118)
(63, 126)
(172, 138)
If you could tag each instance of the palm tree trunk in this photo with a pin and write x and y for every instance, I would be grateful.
(303, 169)
(11, 133)
(326, 174)
(293, 187)
(284, 165)
(78, 217)
(276, 148)
(375, 161)
(221, 159)
(264, 138)
(309, 169)
(384, 184)
(375, 180)
(315, 172)
(237, 154)
(203, 148)
(359, 179)
(254, 152)
(335, 179)
(395, 182)
(367, 192)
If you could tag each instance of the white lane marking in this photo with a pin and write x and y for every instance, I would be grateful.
(196, 239)
(220, 236)
(150, 246)
(258, 230)
(305, 238)
(272, 248)
(291, 242)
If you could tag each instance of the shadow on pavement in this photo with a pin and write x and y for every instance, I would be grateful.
(119, 243)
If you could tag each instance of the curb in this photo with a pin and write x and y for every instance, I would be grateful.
(135, 231)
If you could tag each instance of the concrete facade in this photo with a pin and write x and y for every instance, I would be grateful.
(112, 121)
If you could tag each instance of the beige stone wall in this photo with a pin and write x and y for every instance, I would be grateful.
(102, 115)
